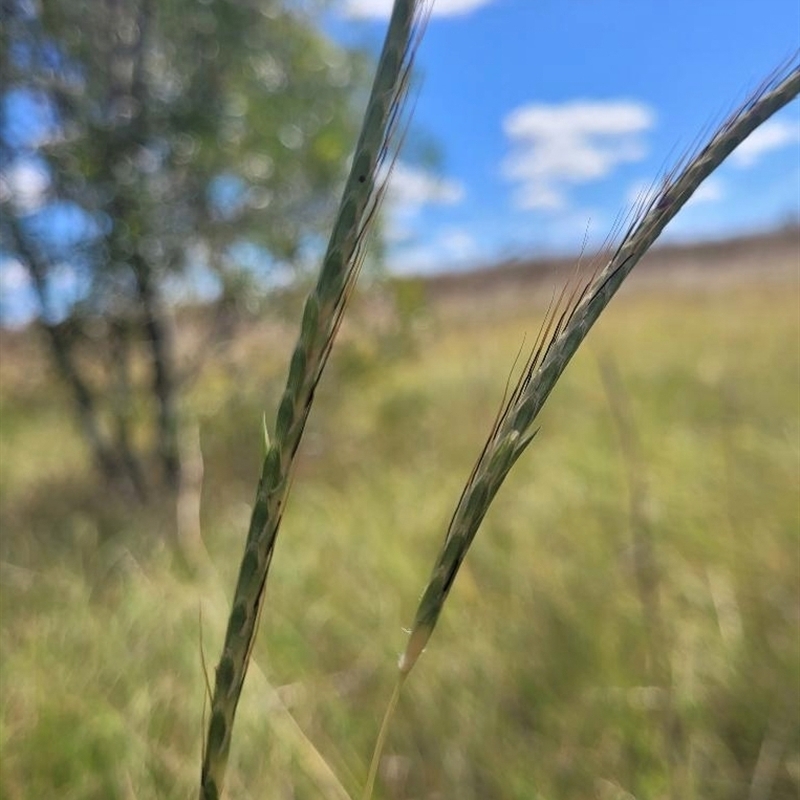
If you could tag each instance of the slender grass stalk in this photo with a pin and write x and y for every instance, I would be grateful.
(565, 327)
(283, 726)
(381, 740)
(647, 570)
(322, 316)
(648, 576)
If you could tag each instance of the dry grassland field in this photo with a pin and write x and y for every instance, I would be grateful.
(626, 624)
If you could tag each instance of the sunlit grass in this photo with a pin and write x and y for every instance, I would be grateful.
(537, 683)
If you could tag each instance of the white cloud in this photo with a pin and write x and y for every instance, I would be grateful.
(381, 9)
(562, 145)
(411, 188)
(710, 190)
(772, 135)
(571, 230)
(458, 243)
(452, 246)
(641, 192)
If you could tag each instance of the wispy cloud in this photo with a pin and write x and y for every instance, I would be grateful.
(712, 190)
(773, 135)
(411, 189)
(381, 9)
(555, 147)
(442, 251)
(640, 193)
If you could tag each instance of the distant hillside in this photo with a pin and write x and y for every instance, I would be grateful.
(772, 256)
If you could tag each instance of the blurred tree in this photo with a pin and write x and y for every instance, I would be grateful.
(150, 148)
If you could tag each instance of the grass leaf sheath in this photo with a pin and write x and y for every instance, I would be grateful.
(322, 316)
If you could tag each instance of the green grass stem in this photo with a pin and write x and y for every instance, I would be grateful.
(380, 742)
(322, 315)
(565, 327)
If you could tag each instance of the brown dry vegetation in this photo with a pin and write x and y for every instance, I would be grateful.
(772, 257)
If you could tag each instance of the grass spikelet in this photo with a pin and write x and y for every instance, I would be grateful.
(323, 313)
(566, 325)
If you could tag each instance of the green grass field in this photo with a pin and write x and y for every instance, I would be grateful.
(547, 676)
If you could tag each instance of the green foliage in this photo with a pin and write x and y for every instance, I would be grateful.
(218, 89)
(197, 149)
(539, 682)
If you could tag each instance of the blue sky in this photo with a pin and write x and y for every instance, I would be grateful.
(552, 115)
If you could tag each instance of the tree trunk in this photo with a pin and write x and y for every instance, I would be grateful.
(159, 340)
(122, 396)
(113, 469)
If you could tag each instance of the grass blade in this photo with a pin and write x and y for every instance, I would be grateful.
(322, 316)
(567, 326)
